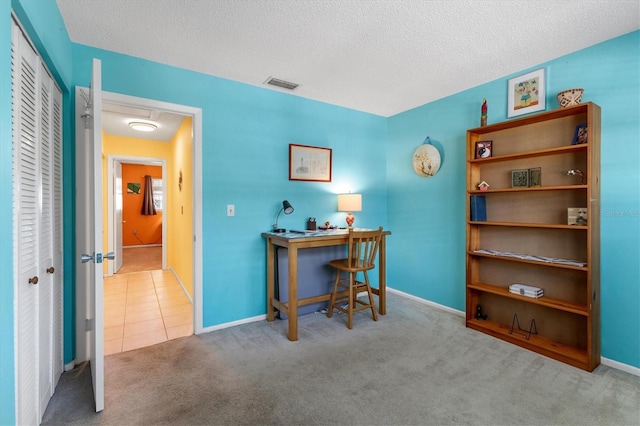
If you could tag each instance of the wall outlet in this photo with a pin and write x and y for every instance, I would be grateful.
(135, 232)
(231, 210)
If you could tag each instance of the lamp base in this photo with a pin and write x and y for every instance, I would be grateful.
(350, 219)
(279, 230)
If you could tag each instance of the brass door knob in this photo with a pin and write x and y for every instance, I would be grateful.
(50, 270)
(33, 280)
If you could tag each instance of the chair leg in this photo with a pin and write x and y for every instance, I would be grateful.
(351, 300)
(332, 301)
(370, 293)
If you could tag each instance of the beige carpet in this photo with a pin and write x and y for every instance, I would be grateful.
(417, 365)
(136, 259)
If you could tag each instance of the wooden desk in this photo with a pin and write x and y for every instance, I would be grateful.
(293, 242)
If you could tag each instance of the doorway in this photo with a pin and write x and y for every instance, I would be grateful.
(163, 293)
(146, 301)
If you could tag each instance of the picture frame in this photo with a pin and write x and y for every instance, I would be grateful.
(309, 163)
(535, 177)
(580, 135)
(133, 188)
(520, 178)
(526, 93)
(577, 216)
(484, 149)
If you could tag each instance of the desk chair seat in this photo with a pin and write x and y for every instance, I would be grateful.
(361, 254)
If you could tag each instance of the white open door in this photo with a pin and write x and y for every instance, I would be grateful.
(118, 216)
(89, 271)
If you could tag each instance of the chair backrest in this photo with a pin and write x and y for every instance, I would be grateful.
(363, 248)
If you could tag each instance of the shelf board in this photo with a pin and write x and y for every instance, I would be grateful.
(530, 225)
(549, 302)
(556, 350)
(533, 262)
(530, 154)
(582, 108)
(537, 188)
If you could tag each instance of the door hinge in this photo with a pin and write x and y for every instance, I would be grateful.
(88, 324)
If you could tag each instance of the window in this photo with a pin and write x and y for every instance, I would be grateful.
(158, 193)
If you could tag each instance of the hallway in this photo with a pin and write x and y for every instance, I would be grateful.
(143, 309)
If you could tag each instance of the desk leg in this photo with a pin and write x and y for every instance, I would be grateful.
(382, 277)
(293, 293)
(270, 279)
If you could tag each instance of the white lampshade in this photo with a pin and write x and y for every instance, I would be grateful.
(349, 202)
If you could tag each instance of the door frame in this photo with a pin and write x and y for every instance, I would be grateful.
(112, 160)
(196, 114)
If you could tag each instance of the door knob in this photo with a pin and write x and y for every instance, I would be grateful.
(86, 257)
(50, 270)
(33, 280)
(111, 255)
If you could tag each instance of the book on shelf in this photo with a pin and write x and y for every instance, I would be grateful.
(526, 294)
(478, 208)
(526, 290)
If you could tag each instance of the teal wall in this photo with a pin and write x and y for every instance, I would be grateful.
(246, 132)
(426, 255)
(7, 376)
(246, 135)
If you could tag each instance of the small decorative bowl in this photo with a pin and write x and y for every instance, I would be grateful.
(570, 97)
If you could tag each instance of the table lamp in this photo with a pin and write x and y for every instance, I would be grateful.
(288, 209)
(350, 203)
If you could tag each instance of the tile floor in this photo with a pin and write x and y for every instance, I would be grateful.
(143, 309)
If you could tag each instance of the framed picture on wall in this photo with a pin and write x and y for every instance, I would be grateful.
(133, 188)
(309, 163)
(526, 93)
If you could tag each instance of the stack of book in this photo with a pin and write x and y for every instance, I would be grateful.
(526, 290)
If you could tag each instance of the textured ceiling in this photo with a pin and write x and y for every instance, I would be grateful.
(377, 56)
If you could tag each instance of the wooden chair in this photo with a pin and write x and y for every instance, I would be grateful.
(361, 254)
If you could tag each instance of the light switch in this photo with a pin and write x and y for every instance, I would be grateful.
(231, 210)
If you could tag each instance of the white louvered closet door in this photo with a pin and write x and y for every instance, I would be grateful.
(57, 245)
(45, 260)
(25, 160)
(38, 334)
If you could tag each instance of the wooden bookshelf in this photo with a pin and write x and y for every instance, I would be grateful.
(526, 224)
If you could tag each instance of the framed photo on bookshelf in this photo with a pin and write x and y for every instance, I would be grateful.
(484, 149)
(520, 178)
(580, 136)
(535, 177)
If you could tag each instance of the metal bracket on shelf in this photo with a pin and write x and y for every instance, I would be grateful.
(527, 334)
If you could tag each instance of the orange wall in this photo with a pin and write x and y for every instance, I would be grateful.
(148, 228)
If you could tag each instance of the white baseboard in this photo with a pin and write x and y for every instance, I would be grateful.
(142, 246)
(620, 366)
(233, 323)
(426, 302)
(604, 361)
(70, 366)
(184, 289)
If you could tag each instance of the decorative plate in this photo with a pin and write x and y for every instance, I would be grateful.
(426, 160)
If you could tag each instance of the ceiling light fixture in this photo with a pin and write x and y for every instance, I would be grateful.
(143, 127)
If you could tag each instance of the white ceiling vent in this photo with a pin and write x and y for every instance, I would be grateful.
(281, 83)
